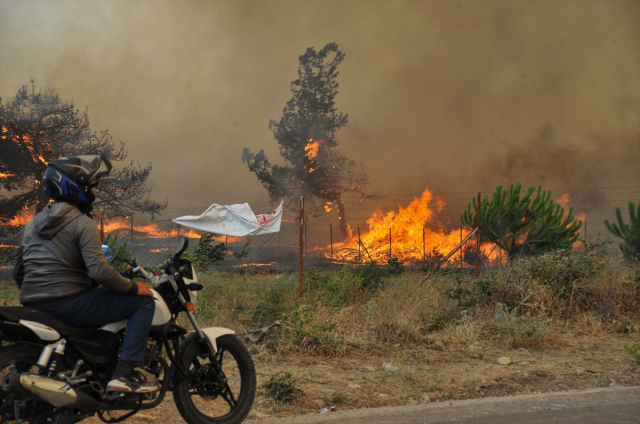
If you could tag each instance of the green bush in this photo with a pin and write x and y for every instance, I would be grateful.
(310, 336)
(207, 252)
(7, 255)
(374, 276)
(629, 233)
(516, 331)
(121, 251)
(281, 387)
(634, 351)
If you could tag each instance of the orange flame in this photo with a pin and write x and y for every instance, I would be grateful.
(22, 218)
(151, 230)
(3, 175)
(406, 227)
(312, 151)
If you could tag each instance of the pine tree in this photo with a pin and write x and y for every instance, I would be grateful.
(629, 233)
(523, 225)
(37, 127)
(306, 136)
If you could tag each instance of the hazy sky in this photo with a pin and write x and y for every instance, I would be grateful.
(456, 95)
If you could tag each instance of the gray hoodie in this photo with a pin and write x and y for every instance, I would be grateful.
(60, 256)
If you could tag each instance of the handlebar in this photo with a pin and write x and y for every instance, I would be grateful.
(151, 278)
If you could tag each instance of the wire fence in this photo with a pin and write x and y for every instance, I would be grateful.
(396, 227)
(324, 245)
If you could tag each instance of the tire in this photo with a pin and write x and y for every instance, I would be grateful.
(24, 358)
(211, 405)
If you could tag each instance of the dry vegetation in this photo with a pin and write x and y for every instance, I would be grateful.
(567, 320)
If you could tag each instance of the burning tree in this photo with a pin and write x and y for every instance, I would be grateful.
(306, 135)
(38, 127)
(523, 226)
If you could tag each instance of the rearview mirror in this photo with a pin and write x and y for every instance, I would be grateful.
(183, 244)
(108, 253)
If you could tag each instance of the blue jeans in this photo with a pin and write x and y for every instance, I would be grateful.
(98, 307)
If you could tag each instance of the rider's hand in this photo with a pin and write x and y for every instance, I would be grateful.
(144, 290)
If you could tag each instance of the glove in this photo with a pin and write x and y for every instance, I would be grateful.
(143, 290)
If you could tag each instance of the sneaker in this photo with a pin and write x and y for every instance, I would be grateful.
(134, 382)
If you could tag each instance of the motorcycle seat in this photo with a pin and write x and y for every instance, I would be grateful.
(16, 313)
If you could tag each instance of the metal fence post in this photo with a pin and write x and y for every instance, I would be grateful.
(301, 246)
(359, 243)
(331, 238)
(460, 264)
(585, 231)
(424, 248)
(478, 237)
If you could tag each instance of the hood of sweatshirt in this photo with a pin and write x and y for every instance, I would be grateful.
(53, 218)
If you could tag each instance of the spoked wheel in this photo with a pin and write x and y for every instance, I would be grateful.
(21, 359)
(204, 399)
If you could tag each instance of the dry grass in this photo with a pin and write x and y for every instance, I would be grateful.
(563, 318)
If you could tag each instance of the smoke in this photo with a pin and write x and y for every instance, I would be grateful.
(450, 95)
(602, 164)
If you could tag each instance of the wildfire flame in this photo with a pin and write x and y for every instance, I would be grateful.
(312, 151)
(22, 218)
(3, 175)
(406, 227)
(564, 202)
(151, 230)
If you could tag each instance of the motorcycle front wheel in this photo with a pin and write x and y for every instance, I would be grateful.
(202, 399)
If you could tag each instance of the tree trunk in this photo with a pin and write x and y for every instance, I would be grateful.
(342, 217)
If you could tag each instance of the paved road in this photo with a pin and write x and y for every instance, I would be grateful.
(603, 405)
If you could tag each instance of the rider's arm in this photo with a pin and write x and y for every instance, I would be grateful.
(97, 266)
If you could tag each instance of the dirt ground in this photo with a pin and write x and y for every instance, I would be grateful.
(432, 372)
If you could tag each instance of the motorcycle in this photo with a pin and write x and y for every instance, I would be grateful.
(56, 373)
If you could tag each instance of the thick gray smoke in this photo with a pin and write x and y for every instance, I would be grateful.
(448, 94)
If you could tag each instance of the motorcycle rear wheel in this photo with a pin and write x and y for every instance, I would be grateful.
(20, 359)
(201, 401)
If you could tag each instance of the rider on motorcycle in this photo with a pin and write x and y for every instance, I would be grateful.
(60, 263)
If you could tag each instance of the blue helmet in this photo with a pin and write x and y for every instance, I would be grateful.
(72, 178)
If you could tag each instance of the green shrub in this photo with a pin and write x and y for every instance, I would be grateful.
(438, 322)
(337, 288)
(7, 255)
(310, 336)
(629, 233)
(634, 351)
(121, 251)
(281, 387)
(374, 276)
(516, 331)
(397, 264)
(207, 252)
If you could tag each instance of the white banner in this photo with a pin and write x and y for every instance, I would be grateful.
(233, 220)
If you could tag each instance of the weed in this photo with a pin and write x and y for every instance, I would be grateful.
(374, 277)
(397, 265)
(516, 332)
(634, 351)
(338, 398)
(281, 387)
(308, 336)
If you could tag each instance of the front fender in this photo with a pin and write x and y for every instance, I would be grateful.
(192, 342)
(213, 333)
